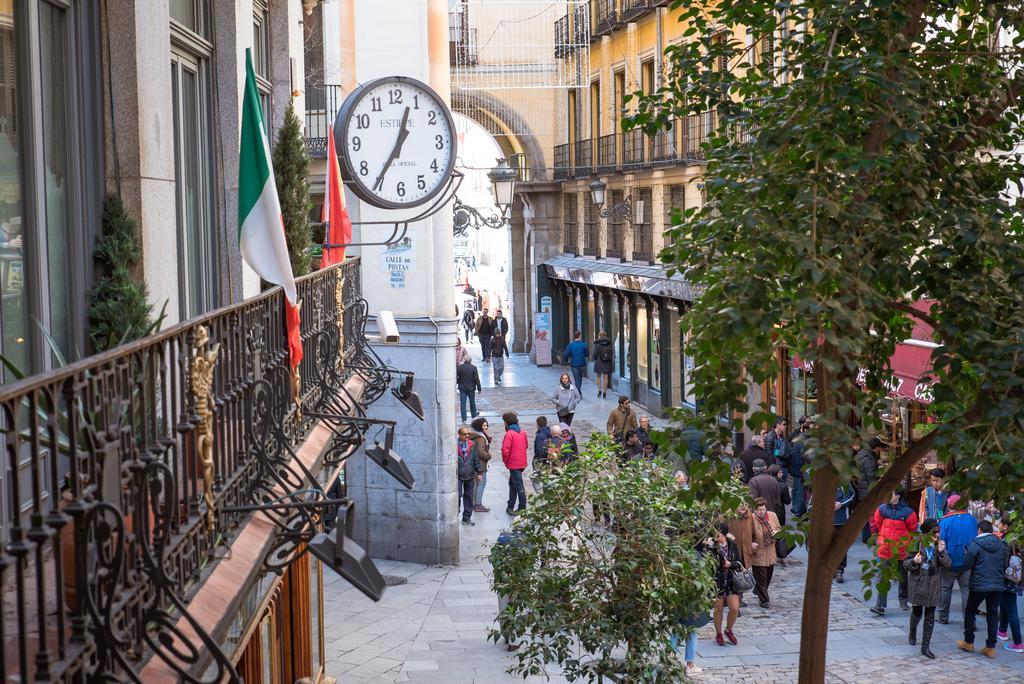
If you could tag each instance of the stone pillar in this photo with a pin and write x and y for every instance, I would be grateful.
(542, 215)
(519, 265)
(419, 525)
(140, 56)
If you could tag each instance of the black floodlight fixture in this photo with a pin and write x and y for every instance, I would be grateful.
(393, 464)
(405, 394)
(346, 557)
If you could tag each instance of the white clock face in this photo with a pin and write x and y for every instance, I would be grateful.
(399, 142)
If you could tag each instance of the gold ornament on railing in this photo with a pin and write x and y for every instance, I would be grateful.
(201, 366)
(339, 304)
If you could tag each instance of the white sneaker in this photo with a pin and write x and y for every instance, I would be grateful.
(693, 669)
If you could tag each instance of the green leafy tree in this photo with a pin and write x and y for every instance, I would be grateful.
(863, 160)
(601, 602)
(291, 162)
(118, 306)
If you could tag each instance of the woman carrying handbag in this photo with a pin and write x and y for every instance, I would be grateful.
(728, 557)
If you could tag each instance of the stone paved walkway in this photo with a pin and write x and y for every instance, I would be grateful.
(434, 628)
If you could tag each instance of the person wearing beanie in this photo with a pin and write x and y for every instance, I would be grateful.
(957, 528)
(924, 571)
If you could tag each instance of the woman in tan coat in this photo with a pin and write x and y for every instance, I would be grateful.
(765, 525)
(741, 527)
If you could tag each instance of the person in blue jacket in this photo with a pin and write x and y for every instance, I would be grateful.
(576, 355)
(957, 528)
(844, 499)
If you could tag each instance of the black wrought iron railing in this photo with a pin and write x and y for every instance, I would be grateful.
(584, 157)
(322, 104)
(463, 49)
(631, 10)
(604, 17)
(118, 470)
(697, 129)
(661, 147)
(562, 37)
(606, 148)
(633, 147)
(561, 161)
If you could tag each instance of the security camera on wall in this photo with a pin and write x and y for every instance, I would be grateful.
(387, 329)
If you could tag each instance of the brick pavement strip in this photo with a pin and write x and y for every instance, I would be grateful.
(434, 628)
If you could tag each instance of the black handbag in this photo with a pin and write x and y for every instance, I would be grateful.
(782, 549)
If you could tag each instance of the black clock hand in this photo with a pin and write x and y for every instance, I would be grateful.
(402, 135)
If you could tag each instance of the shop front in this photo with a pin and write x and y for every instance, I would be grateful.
(639, 308)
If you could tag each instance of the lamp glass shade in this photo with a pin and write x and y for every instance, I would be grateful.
(597, 189)
(503, 181)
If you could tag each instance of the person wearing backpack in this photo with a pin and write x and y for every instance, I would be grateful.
(957, 528)
(1012, 577)
(894, 523)
(604, 363)
(924, 578)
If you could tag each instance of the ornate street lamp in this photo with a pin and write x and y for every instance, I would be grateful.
(598, 190)
(503, 184)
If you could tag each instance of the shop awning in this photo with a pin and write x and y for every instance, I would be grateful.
(911, 365)
(649, 280)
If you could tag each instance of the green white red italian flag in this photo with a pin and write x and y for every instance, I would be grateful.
(260, 226)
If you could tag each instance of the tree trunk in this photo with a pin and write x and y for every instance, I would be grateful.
(821, 566)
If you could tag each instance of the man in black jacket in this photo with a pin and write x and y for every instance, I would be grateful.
(484, 329)
(765, 486)
(752, 453)
(468, 381)
(986, 557)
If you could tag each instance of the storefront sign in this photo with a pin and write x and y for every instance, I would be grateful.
(542, 338)
(545, 304)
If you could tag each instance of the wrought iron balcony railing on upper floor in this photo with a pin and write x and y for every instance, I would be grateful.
(631, 10)
(121, 471)
(561, 161)
(604, 17)
(606, 157)
(584, 156)
(322, 105)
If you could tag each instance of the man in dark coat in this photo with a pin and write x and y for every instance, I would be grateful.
(765, 486)
(986, 557)
(484, 329)
(867, 473)
(752, 453)
(468, 381)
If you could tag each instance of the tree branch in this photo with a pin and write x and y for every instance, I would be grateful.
(920, 315)
(883, 489)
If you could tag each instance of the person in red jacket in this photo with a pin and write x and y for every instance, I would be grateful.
(513, 455)
(894, 523)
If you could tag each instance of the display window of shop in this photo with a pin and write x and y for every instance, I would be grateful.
(615, 331)
(687, 367)
(655, 348)
(578, 313)
(642, 345)
(624, 350)
(803, 398)
(590, 333)
(50, 176)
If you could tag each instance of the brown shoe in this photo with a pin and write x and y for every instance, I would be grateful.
(964, 646)
(481, 509)
(990, 652)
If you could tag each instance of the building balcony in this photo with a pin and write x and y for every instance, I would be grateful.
(631, 10)
(562, 45)
(463, 50)
(322, 105)
(584, 157)
(633, 148)
(604, 16)
(662, 149)
(133, 473)
(563, 169)
(606, 153)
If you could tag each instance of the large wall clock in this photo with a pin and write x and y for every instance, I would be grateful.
(396, 142)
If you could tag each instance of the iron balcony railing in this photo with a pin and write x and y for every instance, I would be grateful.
(606, 147)
(519, 162)
(584, 156)
(322, 104)
(631, 10)
(697, 129)
(118, 470)
(562, 44)
(661, 147)
(463, 49)
(561, 159)
(604, 16)
(633, 148)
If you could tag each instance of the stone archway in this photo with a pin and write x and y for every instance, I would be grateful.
(513, 133)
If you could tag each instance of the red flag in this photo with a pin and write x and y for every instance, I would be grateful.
(337, 225)
(292, 323)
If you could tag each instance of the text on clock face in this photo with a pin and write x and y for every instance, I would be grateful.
(399, 143)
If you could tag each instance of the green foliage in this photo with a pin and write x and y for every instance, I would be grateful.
(118, 306)
(600, 601)
(869, 163)
(291, 161)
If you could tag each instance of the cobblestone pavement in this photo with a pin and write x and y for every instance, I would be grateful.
(434, 628)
